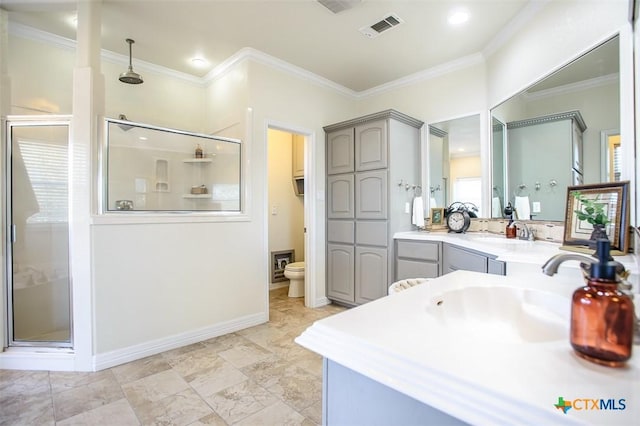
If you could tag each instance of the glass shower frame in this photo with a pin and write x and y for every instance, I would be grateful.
(11, 123)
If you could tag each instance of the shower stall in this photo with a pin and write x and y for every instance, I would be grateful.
(37, 279)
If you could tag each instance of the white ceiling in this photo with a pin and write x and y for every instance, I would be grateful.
(301, 32)
(305, 34)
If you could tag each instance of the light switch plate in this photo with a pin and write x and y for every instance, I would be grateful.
(536, 207)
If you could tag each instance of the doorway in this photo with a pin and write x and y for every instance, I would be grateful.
(296, 190)
(37, 269)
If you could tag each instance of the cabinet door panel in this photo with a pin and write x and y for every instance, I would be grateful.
(416, 269)
(371, 274)
(371, 146)
(371, 233)
(297, 163)
(497, 267)
(340, 266)
(341, 197)
(340, 231)
(455, 258)
(371, 195)
(340, 152)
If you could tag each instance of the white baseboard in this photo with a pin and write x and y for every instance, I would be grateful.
(142, 350)
(322, 301)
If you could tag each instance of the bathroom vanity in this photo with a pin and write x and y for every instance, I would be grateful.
(467, 347)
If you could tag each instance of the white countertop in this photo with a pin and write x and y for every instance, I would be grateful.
(480, 380)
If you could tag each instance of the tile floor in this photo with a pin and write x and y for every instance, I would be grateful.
(257, 376)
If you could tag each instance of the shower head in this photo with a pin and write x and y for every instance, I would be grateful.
(124, 127)
(129, 76)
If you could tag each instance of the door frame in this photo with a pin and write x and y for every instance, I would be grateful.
(310, 215)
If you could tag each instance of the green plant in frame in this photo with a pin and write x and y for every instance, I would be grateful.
(592, 209)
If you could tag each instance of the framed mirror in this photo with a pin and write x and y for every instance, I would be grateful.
(561, 131)
(454, 165)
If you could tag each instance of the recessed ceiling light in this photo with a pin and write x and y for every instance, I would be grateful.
(458, 16)
(199, 62)
(143, 138)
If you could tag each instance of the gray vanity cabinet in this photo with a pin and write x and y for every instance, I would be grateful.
(367, 158)
(431, 259)
(418, 259)
(458, 258)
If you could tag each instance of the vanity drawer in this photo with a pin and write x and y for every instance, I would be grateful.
(421, 250)
(415, 269)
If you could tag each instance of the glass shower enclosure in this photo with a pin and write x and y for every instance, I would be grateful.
(37, 231)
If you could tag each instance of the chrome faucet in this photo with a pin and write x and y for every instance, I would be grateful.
(525, 232)
(551, 266)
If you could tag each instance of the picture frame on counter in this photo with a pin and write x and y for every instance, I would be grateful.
(437, 216)
(613, 199)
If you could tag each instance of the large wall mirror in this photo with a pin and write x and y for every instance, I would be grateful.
(455, 171)
(563, 130)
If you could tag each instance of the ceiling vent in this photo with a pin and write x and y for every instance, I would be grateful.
(373, 31)
(337, 6)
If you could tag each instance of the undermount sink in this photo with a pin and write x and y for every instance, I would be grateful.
(502, 314)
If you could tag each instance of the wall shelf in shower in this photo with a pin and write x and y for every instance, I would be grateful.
(197, 160)
(192, 196)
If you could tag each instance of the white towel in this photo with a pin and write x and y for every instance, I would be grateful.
(523, 210)
(417, 218)
(432, 202)
(496, 207)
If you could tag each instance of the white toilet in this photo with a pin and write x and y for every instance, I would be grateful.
(295, 273)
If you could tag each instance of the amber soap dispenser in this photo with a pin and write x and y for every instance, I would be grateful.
(601, 315)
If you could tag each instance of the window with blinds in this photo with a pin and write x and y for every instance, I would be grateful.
(46, 166)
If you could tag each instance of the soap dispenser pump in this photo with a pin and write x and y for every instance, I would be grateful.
(602, 316)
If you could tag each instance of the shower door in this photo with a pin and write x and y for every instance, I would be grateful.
(38, 232)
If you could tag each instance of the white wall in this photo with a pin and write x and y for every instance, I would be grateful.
(286, 209)
(561, 31)
(41, 77)
(189, 280)
(277, 97)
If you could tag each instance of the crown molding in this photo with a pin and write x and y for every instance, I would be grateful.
(248, 53)
(572, 87)
(34, 34)
(569, 115)
(437, 132)
(266, 59)
(433, 72)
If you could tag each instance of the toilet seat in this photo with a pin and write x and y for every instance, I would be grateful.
(295, 267)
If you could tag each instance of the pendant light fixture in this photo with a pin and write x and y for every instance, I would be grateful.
(130, 77)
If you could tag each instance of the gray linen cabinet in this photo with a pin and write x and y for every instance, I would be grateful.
(373, 163)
